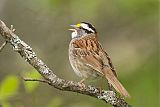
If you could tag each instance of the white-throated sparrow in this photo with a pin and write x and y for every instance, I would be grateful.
(88, 58)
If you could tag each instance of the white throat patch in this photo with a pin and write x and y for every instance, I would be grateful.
(74, 34)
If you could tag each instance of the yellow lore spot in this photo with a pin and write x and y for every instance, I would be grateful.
(78, 25)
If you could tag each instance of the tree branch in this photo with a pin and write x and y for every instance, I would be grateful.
(29, 55)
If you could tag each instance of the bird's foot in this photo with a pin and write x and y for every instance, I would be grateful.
(82, 83)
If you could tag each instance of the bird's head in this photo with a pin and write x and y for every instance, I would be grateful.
(82, 29)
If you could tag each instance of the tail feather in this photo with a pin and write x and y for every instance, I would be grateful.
(114, 81)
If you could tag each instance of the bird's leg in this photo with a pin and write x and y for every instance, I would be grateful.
(110, 87)
(81, 82)
(100, 90)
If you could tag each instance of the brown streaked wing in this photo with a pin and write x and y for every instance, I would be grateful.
(107, 60)
(87, 49)
(110, 64)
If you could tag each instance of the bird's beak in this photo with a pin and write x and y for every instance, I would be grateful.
(74, 28)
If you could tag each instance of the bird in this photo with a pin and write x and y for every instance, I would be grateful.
(88, 58)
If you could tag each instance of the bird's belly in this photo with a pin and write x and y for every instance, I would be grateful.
(83, 70)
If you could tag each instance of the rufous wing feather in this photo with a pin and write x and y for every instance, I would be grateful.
(114, 81)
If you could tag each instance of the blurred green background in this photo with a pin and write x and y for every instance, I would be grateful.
(128, 30)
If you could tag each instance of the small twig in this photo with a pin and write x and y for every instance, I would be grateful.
(33, 79)
(3, 45)
(12, 28)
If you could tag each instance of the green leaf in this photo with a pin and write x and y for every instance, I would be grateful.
(5, 104)
(30, 86)
(55, 102)
(8, 87)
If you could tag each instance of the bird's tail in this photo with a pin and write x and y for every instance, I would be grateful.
(112, 79)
